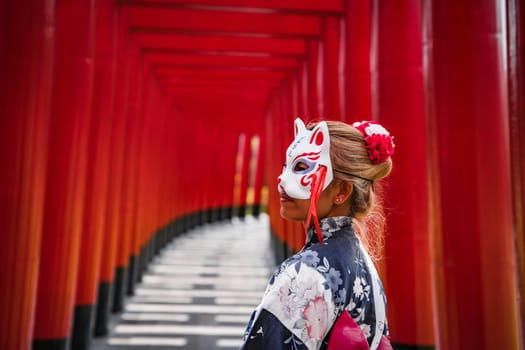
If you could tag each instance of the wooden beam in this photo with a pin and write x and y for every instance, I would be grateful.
(192, 60)
(161, 19)
(318, 6)
(222, 83)
(181, 41)
(164, 73)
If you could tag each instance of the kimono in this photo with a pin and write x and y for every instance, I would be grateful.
(312, 288)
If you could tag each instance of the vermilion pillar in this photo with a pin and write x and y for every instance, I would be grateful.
(143, 218)
(212, 191)
(290, 96)
(284, 113)
(471, 214)
(516, 73)
(229, 193)
(116, 173)
(175, 159)
(165, 186)
(162, 185)
(156, 154)
(94, 216)
(356, 101)
(66, 173)
(25, 86)
(215, 192)
(182, 140)
(241, 174)
(245, 175)
(332, 68)
(128, 197)
(301, 78)
(398, 103)
(134, 202)
(314, 80)
(259, 148)
(223, 161)
(201, 193)
(274, 162)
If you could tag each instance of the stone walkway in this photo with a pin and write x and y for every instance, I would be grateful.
(199, 292)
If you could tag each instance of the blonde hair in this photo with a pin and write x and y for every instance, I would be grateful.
(351, 163)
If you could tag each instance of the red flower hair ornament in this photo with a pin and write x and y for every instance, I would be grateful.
(378, 142)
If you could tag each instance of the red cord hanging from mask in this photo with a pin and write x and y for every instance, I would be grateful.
(316, 189)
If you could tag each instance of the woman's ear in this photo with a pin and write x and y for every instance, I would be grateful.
(345, 190)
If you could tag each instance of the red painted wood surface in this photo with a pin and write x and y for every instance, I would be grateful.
(136, 126)
(210, 42)
(516, 75)
(117, 151)
(169, 19)
(298, 5)
(300, 79)
(66, 168)
(273, 166)
(97, 180)
(314, 81)
(357, 98)
(471, 217)
(25, 86)
(259, 167)
(294, 232)
(332, 65)
(192, 75)
(400, 107)
(241, 170)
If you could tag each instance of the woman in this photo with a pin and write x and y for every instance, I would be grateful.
(329, 295)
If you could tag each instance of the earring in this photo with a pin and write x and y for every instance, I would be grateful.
(338, 200)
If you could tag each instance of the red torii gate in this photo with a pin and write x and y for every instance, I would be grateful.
(119, 118)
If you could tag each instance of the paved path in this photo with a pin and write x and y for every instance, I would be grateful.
(199, 292)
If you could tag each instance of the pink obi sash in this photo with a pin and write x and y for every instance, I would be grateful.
(346, 335)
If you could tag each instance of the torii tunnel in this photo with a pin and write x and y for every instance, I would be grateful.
(126, 123)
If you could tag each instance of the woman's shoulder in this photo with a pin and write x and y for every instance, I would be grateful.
(341, 245)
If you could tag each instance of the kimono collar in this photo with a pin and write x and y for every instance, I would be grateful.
(328, 226)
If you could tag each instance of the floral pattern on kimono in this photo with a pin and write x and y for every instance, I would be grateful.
(309, 290)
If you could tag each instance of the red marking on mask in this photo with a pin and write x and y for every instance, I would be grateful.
(317, 138)
(306, 180)
(309, 155)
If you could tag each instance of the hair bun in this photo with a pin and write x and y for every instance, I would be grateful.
(378, 142)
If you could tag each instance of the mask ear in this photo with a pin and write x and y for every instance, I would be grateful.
(320, 135)
(299, 127)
